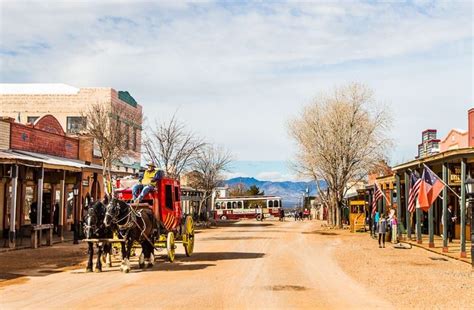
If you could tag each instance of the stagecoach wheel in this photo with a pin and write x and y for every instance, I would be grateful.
(189, 233)
(170, 246)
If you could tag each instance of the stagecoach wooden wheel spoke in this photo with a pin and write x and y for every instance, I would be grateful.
(189, 236)
(170, 246)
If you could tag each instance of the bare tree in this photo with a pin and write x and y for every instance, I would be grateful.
(340, 138)
(208, 167)
(172, 147)
(105, 123)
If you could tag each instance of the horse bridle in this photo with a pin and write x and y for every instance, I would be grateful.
(87, 225)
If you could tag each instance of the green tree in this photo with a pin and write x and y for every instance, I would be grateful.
(254, 190)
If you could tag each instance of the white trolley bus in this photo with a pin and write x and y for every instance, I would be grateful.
(234, 208)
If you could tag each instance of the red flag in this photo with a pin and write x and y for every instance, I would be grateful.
(430, 188)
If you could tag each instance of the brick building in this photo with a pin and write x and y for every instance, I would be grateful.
(28, 102)
(41, 166)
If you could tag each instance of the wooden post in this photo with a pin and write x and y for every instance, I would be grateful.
(418, 226)
(384, 203)
(430, 227)
(399, 206)
(445, 209)
(62, 205)
(408, 216)
(39, 211)
(380, 206)
(371, 216)
(12, 232)
(463, 208)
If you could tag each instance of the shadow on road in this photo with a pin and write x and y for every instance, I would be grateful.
(181, 267)
(264, 231)
(320, 232)
(238, 224)
(236, 238)
(217, 256)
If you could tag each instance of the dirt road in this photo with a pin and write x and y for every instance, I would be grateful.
(243, 265)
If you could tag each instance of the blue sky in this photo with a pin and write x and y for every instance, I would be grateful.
(237, 72)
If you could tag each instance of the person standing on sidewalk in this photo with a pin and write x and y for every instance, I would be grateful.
(382, 229)
(376, 223)
(451, 223)
(394, 224)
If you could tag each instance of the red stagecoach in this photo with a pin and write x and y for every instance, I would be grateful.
(165, 202)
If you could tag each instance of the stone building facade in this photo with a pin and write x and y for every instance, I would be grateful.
(28, 102)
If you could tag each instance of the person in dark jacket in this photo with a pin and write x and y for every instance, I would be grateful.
(382, 230)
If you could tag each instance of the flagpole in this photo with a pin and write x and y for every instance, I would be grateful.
(459, 197)
(383, 194)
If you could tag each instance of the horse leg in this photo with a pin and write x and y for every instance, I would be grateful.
(108, 254)
(151, 257)
(124, 254)
(91, 254)
(126, 268)
(141, 258)
(98, 265)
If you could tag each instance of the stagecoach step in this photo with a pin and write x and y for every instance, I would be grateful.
(103, 240)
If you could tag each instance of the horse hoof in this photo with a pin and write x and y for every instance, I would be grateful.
(126, 270)
(97, 270)
(150, 265)
(88, 269)
(108, 265)
(141, 266)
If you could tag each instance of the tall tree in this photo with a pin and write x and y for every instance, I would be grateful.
(172, 147)
(208, 167)
(106, 124)
(340, 137)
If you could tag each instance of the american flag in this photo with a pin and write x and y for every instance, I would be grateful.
(414, 191)
(377, 195)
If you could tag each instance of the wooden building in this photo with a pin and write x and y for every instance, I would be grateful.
(46, 177)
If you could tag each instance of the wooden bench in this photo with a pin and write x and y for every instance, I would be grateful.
(36, 233)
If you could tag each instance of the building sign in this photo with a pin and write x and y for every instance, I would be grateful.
(454, 175)
(85, 183)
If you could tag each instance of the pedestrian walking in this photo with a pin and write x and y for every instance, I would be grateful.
(282, 215)
(382, 229)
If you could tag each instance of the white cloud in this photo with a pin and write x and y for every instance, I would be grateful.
(237, 74)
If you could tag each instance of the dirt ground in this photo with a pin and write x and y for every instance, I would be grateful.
(269, 265)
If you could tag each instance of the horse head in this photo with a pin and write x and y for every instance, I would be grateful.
(111, 212)
(92, 220)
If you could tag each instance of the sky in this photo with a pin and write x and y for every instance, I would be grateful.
(236, 72)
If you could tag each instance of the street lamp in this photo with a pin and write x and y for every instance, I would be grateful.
(469, 183)
(75, 191)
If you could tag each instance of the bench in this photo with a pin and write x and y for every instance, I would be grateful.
(36, 233)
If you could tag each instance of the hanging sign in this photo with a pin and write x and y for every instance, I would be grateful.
(454, 175)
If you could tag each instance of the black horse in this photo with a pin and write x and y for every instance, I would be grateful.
(94, 228)
(133, 225)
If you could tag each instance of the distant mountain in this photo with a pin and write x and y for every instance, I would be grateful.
(290, 192)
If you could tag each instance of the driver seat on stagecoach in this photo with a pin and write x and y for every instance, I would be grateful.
(146, 182)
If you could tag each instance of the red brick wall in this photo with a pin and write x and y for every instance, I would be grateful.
(50, 124)
(470, 127)
(31, 139)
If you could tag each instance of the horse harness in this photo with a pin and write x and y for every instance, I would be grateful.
(132, 217)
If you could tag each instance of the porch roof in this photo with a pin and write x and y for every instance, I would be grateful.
(43, 160)
(447, 156)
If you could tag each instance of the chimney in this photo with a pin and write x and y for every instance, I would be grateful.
(470, 126)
